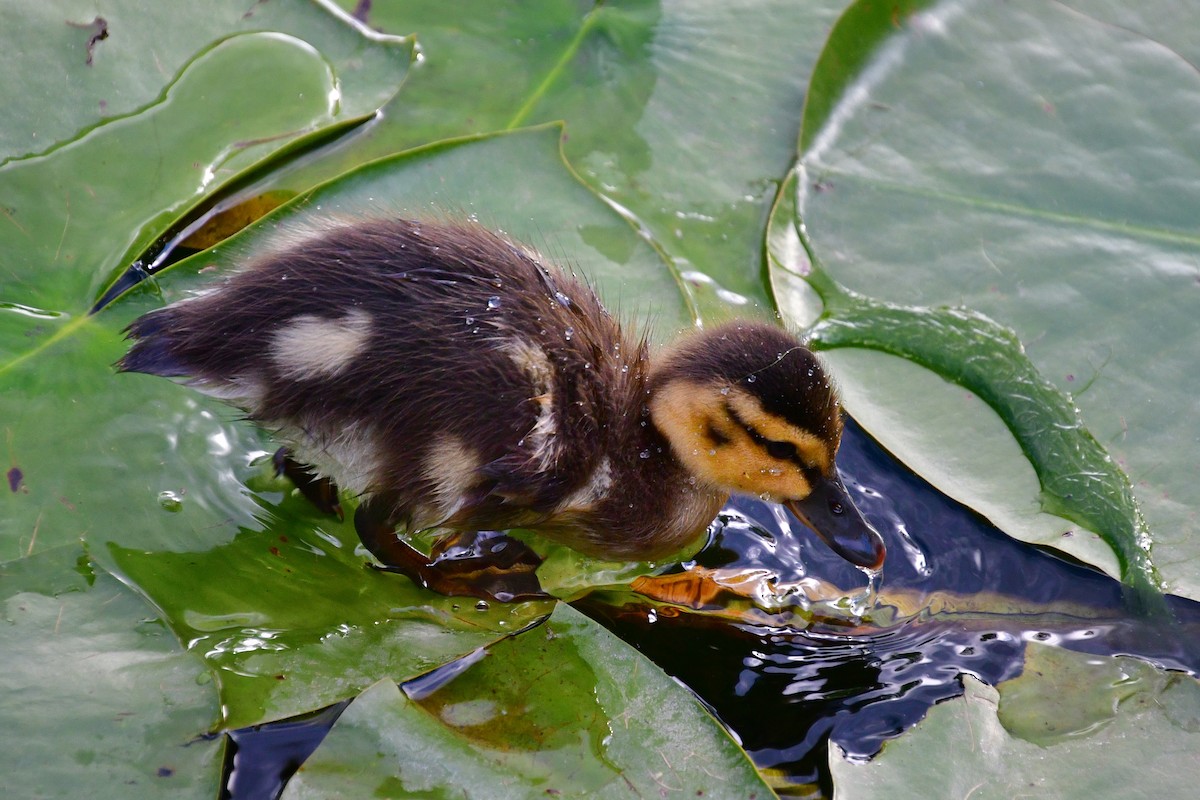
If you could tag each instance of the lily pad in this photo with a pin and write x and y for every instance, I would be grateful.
(1141, 752)
(1045, 222)
(96, 692)
(163, 115)
(78, 66)
(565, 709)
(654, 96)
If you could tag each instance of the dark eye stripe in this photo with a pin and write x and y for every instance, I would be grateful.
(784, 451)
(714, 435)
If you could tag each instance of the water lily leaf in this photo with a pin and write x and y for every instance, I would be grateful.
(565, 709)
(78, 67)
(107, 166)
(652, 95)
(1141, 752)
(1062, 695)
(95, 692)
(1036, 228)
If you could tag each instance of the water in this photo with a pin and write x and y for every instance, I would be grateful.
(788, 689)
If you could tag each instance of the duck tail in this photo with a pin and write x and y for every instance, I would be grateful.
(153, 347)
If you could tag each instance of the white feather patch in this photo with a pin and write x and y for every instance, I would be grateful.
(351, 455)
(451, 469)
(312, 347)
(243, 391)
(533, 361)
(592, 492)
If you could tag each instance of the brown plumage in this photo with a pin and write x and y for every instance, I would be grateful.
(453, 381)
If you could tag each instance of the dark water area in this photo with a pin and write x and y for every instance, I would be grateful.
(789, 691)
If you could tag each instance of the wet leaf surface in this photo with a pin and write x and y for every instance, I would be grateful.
(563, 710)
(1142, 751)
(1025, 162)
(96, 692)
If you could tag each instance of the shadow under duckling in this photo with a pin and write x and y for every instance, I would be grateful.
(453, 381)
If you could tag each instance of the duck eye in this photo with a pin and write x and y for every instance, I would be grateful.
(784, 451)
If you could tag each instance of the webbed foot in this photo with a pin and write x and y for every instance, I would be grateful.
(487, 565)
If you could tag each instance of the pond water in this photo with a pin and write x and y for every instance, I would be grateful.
(786, 691)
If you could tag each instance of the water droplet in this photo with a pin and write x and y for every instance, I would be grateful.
(493, 302)
(624, 368)
(644, 454)
(482, 605)
(751, 378)
(724, 390)
(170, 501)
(652, 616)
(569, 332)
(470, 320)
(562, 298)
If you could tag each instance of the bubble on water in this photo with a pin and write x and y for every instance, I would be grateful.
(170, 501)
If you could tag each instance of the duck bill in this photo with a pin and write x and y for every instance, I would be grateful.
(832, 515)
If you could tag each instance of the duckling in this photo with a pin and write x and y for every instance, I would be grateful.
(455, 382)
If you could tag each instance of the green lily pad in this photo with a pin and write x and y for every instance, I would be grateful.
(101, 186)
(1032, 210)
(74, 66)
(1141, 752)
(95, 692)
(1062, 695)
(563, 710)
(682, 113)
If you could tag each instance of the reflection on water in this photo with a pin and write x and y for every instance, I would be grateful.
(957, 597)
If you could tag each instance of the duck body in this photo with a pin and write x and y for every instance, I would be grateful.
(453, 381)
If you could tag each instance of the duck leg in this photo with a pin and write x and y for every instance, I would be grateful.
(321, 492)
(485, 564)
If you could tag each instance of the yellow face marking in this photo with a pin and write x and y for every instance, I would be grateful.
(812, 452)
(717, 447)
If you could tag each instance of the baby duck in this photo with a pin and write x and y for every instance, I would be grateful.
(453, 381)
